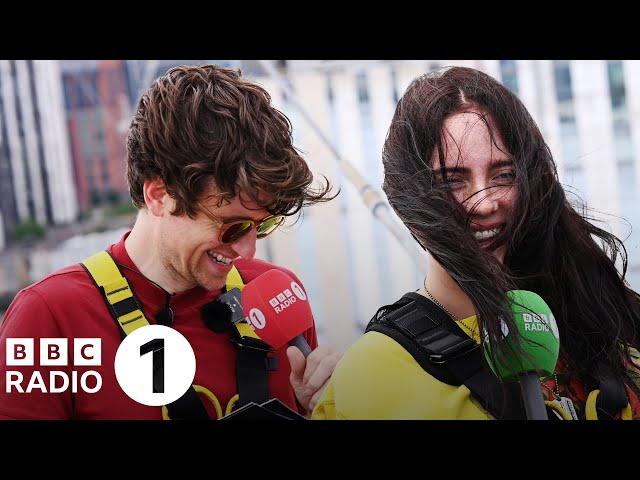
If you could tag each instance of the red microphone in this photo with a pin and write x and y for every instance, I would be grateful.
(277, 307)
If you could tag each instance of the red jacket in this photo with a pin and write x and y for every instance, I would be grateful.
(67, 304)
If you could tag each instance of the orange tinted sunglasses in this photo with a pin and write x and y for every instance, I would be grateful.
(236, 229)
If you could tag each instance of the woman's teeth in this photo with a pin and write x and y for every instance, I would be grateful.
(219, 258)
(486, 234)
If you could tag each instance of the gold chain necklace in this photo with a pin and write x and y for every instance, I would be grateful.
(446, 310)
(434, 300)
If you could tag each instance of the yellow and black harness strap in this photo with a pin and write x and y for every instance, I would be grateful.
(121, 301)
(127, 311)
(252, 364)
(234, 280)
(591, 408)
(610, 399)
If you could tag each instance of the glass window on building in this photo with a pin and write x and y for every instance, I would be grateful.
(363, 91)
(631, 214)
(575, 187)
(569, 138)
(330, 95)
(562, 80)
(509, 73)
(622, 139)
(84, 91)
(621, 128)
(394, 86)
(85, 131)
(570, 142)
(105, 172)
(616, 85)
(69, 94)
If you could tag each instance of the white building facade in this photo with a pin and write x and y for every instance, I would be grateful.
(36, 174)
(588, 112)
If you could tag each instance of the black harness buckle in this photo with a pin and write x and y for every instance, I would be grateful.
(122, 307)
(431, 329)
(251, 344)
(447, 347)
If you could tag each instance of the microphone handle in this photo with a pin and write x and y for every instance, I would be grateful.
(532, 396)
(302, 344)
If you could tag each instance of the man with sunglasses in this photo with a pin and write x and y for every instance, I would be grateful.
(211, 168)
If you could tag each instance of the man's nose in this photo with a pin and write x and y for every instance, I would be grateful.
(245, 246)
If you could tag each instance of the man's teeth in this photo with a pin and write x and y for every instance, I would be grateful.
(485, 234)
(219, 258)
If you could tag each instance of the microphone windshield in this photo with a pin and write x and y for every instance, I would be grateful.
(277, 307)
(540, 339)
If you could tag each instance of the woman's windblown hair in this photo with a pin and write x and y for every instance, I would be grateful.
(550, 248)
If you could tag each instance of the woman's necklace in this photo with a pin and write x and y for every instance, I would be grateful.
(434, 300)
(446, 310)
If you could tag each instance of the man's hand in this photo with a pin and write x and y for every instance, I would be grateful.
(309, 375)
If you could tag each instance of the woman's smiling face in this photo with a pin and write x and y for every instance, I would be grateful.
(480, 172)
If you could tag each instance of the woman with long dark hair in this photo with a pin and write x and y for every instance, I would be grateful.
(469, 173)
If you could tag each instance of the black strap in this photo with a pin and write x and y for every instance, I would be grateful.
(444, 351)
(188, 407)
(253, 361)
(252, 366)
(613, 396)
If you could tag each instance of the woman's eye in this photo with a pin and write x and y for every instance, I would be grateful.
(454, 181)
(505, 176)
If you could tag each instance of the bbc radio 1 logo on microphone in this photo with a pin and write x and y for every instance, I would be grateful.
(285, 298)
(540, 322)
(280, 302)
(257, 319)
(53, 352)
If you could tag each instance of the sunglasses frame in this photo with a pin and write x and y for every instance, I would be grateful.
(224, 226)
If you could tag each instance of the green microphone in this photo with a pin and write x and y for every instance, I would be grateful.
(541, 343)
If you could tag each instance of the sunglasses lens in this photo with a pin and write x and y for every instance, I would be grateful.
(236, 231)
(269, 226)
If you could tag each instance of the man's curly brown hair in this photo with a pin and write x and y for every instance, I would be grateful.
(198, 124)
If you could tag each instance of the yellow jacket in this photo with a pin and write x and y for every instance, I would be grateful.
(378, 379)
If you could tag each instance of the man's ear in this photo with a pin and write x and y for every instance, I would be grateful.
(156, 198)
